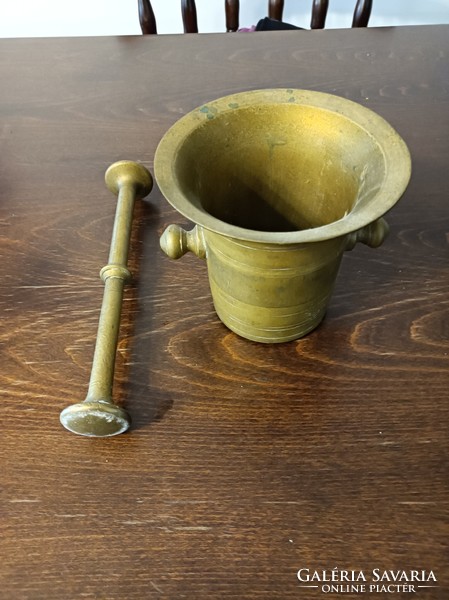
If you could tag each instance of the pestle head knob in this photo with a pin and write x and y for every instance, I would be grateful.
(95, 418)
(128, 172)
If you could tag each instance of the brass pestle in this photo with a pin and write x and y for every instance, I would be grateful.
(97, 415)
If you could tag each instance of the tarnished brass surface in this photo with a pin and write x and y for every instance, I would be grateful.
(98, 416)
(279, 182)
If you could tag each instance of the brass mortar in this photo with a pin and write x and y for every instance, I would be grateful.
(279, 183)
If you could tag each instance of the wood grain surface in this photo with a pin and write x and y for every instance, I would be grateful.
(245, 462)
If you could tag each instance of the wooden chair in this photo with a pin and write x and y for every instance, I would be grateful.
(275, 9)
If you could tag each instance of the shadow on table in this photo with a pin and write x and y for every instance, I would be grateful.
(133, 387)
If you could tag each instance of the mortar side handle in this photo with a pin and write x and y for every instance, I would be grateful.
(176, 241)
(372, 235)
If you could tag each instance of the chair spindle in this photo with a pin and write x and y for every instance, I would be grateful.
(319, 12)
(232, 8)
(146, 17)
(275, 9)
(188, 9)
(362, 13)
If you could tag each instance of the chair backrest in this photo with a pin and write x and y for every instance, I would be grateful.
(147, 19)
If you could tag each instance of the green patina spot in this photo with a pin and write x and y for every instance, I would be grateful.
(233, 105)
(209, 111)
(292, 99)
(289, 91)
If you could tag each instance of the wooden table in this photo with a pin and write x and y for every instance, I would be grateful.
(246, 462)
